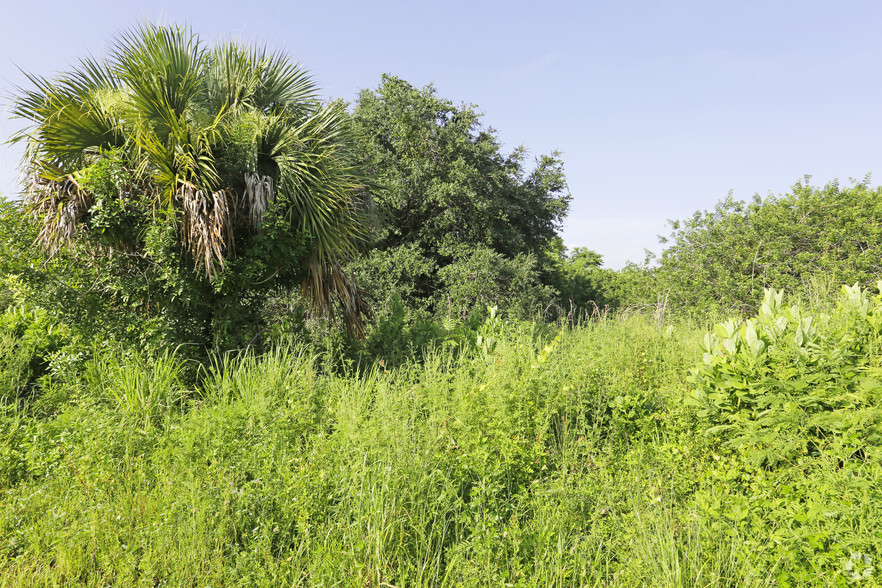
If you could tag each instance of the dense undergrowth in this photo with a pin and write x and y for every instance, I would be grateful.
(622, 452)
(180, 404)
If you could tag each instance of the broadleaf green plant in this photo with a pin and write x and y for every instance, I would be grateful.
(786, 383)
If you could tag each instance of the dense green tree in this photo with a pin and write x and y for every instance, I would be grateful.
(444, 184)
(578, 278)
(585, 288)
(215, 173)
(479, 277)
(723, 259)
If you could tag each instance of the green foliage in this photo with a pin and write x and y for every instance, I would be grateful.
(444, 193)
(787, 384)
(476, 279)
(792, 399)
(14, 366)
(401, 272)
(107, 293)
(457, 470)
(445, 182)
(197, 179)
(452, 446)
(480, 277)
(473, 278)
(581, 284)
(17, 253)
(400, 335)
(722, 260)
(117, 217)
(31, 342)
(521, 454)
(145, 390)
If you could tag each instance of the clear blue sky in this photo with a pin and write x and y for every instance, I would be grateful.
(659, 107)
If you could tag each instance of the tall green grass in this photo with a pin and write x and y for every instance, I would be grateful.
(536, 459)
(145, 391)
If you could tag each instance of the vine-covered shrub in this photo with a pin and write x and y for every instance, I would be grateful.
(787, 384)
(29, 339)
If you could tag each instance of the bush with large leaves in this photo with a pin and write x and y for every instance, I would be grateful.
(789, 383)
(211, 174)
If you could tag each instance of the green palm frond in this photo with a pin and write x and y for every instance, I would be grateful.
(75, 116)
(232, 78)
(163, 68)
(220, 136)
(270, 83)
(283, 83)
(320, 189)
(72, 117)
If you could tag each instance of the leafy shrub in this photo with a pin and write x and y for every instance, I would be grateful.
(401, 273)
(723, 259)
(15, 359)
(29, 342)
(96, 293)
(787, 384)
(479, 277)
(585, 288)
(419, 305)
(398, 335)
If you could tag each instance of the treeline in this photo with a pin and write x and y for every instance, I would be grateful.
(238, 211)
(807, 242)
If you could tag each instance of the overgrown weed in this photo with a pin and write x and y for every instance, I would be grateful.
(549, 457)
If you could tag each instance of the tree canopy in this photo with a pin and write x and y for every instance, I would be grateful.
(222, 157)
(444, 187)
(725, 258)
(445, 179)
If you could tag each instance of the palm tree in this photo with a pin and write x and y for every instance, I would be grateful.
(217, 137)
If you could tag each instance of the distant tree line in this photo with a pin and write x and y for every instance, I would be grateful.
(185, 194)
(807, 240)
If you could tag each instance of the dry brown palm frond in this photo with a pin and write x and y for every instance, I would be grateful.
(327, 281)
(207, 231)
(258, 196)
(59, 204)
